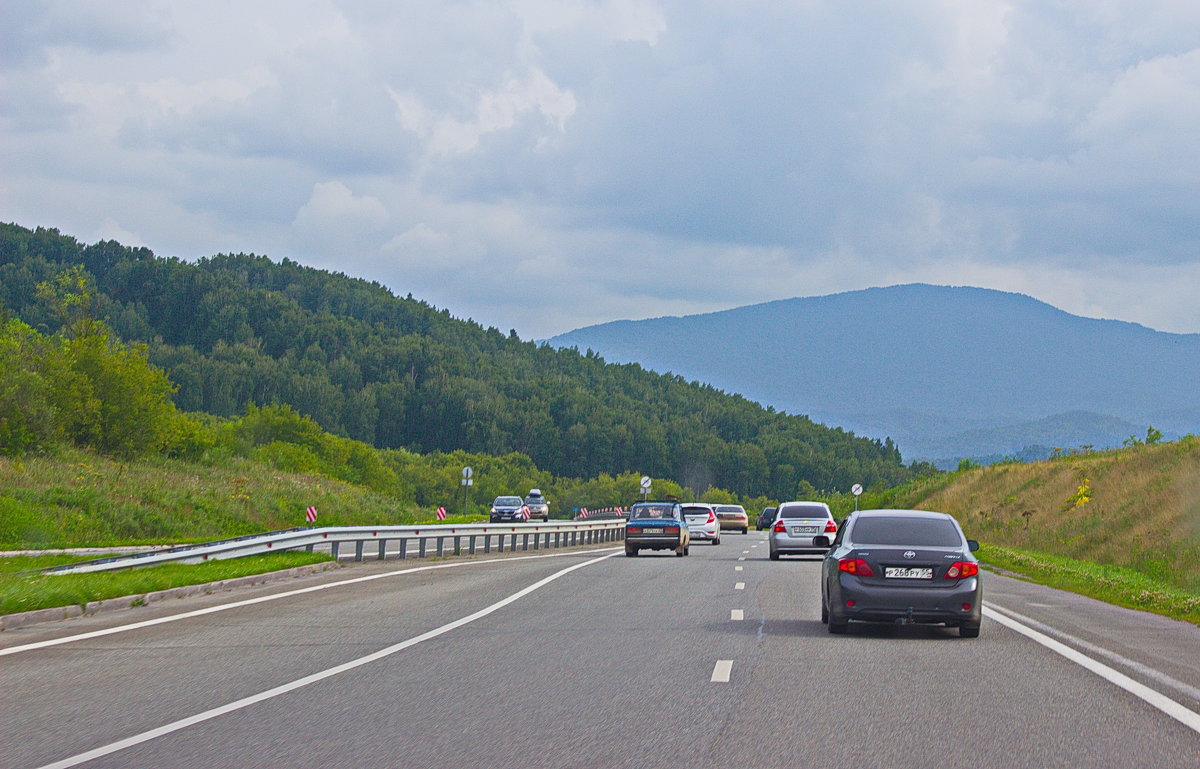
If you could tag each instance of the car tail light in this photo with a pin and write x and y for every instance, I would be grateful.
(711, 517)
(672, 530)
(962, 570)
(856, 566)
(830, 527)
(780, 528)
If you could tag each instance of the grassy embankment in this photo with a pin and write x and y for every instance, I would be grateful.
(80, 499)
(1122, 526)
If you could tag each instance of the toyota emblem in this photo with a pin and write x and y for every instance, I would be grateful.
(910, 554)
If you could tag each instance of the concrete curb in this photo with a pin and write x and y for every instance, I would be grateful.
(26, 618)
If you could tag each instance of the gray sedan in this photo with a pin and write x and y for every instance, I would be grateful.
(901, 566)
(797, 526)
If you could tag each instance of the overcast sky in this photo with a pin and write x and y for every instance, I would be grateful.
(548, 164)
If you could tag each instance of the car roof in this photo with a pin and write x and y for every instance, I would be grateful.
(896, 513)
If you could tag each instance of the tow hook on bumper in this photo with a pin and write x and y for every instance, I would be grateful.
(907, 619)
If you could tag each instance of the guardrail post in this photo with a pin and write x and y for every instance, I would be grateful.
(501, 542)
(441, 543)
(421, 547)
(308, 548)
(457, 549)
(382, 548)
(471, 545)
(358, 547)
(487, 543)
(536, 538)
(547, 541)
(334, 547)
(404, 547)
(525, 541)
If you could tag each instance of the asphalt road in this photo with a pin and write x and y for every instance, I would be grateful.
(579, 660)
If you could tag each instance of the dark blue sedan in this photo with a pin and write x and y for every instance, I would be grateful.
(902, 566)
(657, 526)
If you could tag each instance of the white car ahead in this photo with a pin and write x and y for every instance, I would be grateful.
(702, 522)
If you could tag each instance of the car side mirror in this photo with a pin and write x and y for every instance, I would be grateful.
(973, 544)
(821, 541)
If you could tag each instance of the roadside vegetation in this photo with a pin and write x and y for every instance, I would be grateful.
(23, 590)
(1112, 584)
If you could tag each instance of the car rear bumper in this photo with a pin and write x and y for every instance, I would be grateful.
(734, 525)
(782, 543)
(652, 543)
(704, 533)
(888, 603)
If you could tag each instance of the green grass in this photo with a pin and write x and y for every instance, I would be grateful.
(1112, 584)
(23, 591)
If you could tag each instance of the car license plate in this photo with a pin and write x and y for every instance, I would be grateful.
(652, 531)
(804, 529)
(905, 572)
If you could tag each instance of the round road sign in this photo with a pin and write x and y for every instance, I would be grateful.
(856, 489)
(645, 481)
(468, 472)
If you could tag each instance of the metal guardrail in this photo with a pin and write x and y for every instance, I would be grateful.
(461, 538)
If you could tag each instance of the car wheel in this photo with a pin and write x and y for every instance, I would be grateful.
(545, 519)
(824, 614)
(717, 541)
(836, 627)
(631, 552)
(687, 551)
(774, 556)
(968, 630)
(680, 552)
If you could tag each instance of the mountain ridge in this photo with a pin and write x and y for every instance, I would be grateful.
(956, 358)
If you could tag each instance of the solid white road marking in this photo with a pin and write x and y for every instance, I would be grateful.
(738, 568)
(299, 683)
(721, 671)
(1188, 718)
(736, 615)
(745, 552)
(260, 599)
(742, 558)
(739, 586)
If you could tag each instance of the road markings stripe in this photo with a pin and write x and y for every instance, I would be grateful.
(739, 586)
(262, 599)
(721, 671)
(738, 568)
(1188, 718)
(299, 683)
(736, 615)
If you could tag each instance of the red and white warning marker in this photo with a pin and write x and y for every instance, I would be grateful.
(310, 514)
(441, 513)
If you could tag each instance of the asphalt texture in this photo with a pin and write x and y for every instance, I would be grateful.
(608, 665)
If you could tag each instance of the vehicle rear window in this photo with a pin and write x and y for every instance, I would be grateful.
(931, 532)
(729, 509)
(650, 511)
(804, 511)
(695, 511)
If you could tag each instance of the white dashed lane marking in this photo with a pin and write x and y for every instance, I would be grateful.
(739, 586)
(721, 671)
(736, 615)
(738, 568)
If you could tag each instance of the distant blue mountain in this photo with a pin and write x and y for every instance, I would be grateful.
(934, 367)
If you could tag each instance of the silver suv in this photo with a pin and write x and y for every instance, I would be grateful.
(797, 526)
(537, 504)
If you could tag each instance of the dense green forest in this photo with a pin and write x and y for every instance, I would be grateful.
(233, 331)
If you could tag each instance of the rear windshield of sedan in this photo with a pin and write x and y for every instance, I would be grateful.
(651, 511)
(930, 532)
(730, 509)
(804, 511)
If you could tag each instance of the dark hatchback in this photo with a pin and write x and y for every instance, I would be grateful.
(902, 566)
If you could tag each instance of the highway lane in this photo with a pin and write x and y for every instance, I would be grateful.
(609, 665)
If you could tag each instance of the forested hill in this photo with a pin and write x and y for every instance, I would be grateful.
(238, 329)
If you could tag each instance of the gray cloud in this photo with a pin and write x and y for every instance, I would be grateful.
(620, 158)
